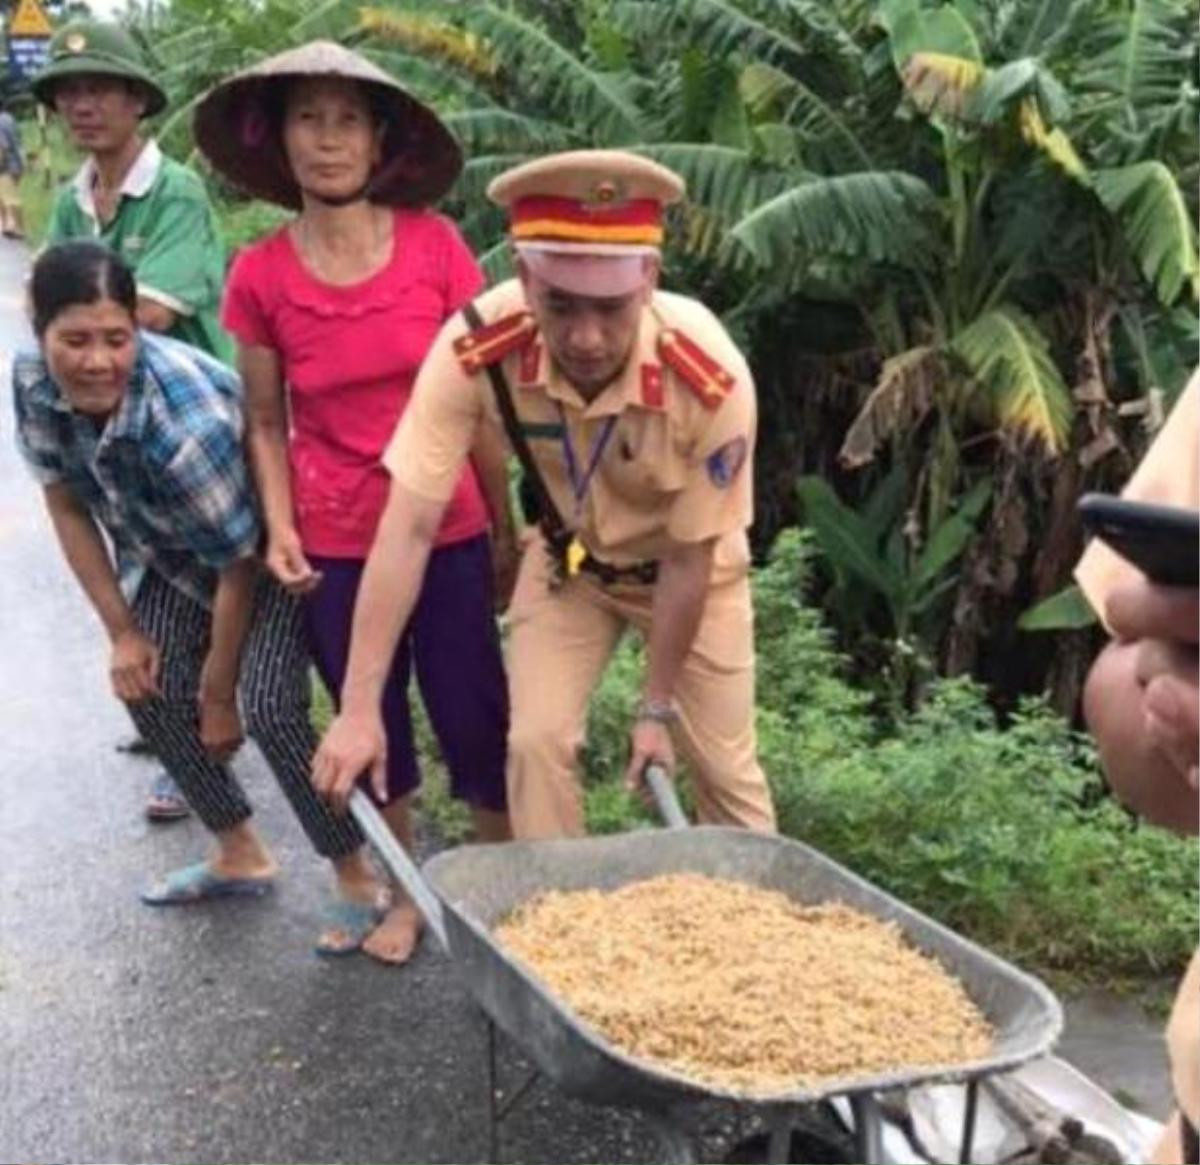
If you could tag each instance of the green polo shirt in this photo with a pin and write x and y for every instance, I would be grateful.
(165, 230)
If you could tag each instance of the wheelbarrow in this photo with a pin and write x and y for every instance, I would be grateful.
(465, 892)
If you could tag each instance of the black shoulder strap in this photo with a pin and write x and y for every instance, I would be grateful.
(552, 524)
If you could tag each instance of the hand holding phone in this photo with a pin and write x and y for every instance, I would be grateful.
(1163, 542)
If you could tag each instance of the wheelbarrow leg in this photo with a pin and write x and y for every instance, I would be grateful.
(678, 1147)
(969, 1117)
(868, 1128)
(780, 1150)
(501, 1102)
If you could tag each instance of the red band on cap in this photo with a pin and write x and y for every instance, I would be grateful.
(637, 220)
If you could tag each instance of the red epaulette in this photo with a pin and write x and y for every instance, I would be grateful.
(695, 367)
(494, 341)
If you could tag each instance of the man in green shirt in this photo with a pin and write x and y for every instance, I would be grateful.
(148, 208)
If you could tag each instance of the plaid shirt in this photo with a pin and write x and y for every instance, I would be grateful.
(165, 476)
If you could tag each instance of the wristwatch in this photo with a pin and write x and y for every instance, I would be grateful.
(660, 711)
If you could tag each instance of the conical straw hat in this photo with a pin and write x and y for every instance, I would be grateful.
(236, 127)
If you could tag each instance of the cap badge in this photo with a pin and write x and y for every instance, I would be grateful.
(605, 194)
(76, 42)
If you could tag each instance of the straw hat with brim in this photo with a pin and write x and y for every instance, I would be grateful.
(234, 128)
(92, 47)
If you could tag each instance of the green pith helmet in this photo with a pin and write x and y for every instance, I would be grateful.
(101, 49)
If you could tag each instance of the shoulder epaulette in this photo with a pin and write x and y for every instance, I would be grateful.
(494, 341)
(695, 367)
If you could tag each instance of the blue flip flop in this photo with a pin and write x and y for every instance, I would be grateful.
(166, 802)
(198, 884)
(356, 919)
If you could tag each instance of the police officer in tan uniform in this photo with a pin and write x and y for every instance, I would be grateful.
(634, 415)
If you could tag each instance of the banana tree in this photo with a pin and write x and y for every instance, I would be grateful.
(890, 586)
(953, 308)
(977, 257)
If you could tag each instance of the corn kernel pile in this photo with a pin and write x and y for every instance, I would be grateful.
(740, 987)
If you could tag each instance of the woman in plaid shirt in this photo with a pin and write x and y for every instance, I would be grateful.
(140, 436)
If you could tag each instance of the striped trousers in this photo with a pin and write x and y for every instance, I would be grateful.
(274, 695)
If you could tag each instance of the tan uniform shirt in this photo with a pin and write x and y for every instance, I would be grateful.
(674, 469)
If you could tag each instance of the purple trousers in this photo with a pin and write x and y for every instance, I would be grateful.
(451, 641)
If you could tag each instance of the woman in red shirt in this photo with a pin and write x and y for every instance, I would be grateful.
(333, 315)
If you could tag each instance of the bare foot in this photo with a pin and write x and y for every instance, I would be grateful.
(240, 854)
(243, 867)
(395, 938)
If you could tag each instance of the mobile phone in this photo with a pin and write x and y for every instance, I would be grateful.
(1163, 542)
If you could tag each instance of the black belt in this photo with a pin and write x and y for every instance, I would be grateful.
(558, 544)
(645, 573)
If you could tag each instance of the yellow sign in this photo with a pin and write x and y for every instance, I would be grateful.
(30, 20)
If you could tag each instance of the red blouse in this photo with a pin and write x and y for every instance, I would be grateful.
(350, 356)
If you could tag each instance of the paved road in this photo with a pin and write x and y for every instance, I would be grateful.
(212, 1033)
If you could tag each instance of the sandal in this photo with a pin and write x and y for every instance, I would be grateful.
(198, 883)
(355, 920)
(166, 802)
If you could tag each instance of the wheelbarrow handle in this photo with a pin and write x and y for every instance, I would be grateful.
(398, 863)
(662, 788)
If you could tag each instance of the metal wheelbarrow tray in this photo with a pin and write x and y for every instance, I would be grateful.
(464, 893)
(478, 886)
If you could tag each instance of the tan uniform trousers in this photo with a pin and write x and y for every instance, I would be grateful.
(558, 646)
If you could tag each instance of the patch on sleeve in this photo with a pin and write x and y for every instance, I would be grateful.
(726, 463)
